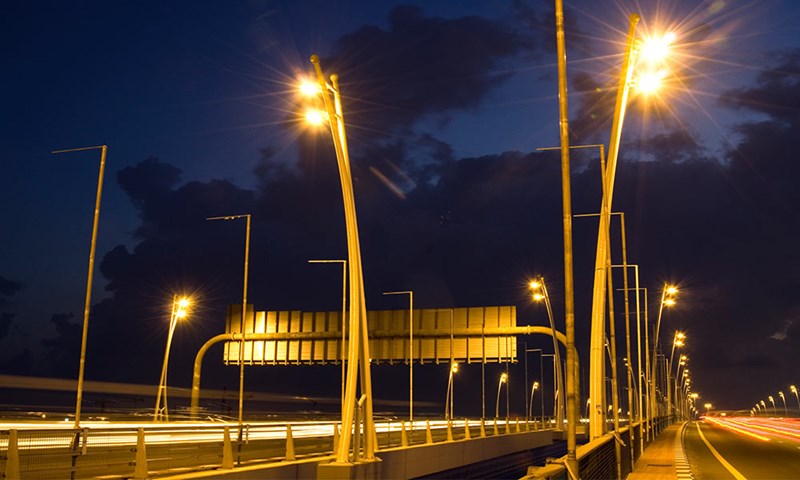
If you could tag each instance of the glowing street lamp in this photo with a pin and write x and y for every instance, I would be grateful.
(88, 299)
(448, 402)
(539, 294)
(668, 293)
(180, 308)
(503, 379)
(597, 339)
(708, 407)
(785, 410)
(358, 347)
(772, 400)
(534, 387)
(793, 389)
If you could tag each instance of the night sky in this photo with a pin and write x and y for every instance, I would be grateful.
(445, 103)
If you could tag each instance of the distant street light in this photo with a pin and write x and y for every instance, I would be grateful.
(763, 404)
(668, 293)
(503, 379)
(708, 407)
(179, 310)
(677, 341)
(534, 386)
(410, 294)
(244, 307)
(344, 314)
(785, 410)
(772, 400)
(793, 389)
(448, 402)
(92, 248)
(539, 294)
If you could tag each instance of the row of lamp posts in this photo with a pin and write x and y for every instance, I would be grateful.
(357, 358)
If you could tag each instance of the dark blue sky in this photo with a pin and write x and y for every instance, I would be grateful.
(446, 101)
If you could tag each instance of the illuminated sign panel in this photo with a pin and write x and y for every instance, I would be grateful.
(436, 336)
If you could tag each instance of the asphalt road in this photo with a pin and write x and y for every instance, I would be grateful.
(739, 448)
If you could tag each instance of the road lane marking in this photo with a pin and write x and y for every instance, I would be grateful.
(721, 460)
(682, 468)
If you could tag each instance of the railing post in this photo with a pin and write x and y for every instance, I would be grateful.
(335, 437)
(449, 431)
(483, 428)
(290, 456)
(467, 435)
(140, 471)
(11, 470)
(227, 449)
(403, 434)
(428, 435)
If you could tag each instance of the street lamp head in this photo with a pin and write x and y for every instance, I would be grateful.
(671, 290)
(503, 378)
(454, 367)
(668, 302)
(793, 389)
(535, 285)
(655, 50)
(535, 385)
(538, 297)
(315, 117)
(309, 88)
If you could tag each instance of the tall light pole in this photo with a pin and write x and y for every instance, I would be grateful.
(569, 284)
(597, 339)
(448, 402)
(358, 347)
(242, 344)
(677, 341)
(668, 293)
(88, 299)
(534, 386)
(772, 400)
(503, 379)
(643, 412)
(539, 289)
(793, 389)
(410, 294)
(342, 356)
(529, 407)
(179, 310)
(785, 409)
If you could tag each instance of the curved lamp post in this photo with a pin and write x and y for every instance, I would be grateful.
(503, 379)
(358, 347)
(179, 310)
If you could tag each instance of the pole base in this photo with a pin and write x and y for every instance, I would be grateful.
(366, 470)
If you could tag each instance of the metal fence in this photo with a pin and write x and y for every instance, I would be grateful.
(141, 452)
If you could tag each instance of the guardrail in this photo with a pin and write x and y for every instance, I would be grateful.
(150, 450)
(597, 459)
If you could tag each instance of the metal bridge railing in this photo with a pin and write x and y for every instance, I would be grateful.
(141, 451)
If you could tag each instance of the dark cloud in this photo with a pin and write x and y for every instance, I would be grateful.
(422, 66)
(8, 288)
